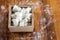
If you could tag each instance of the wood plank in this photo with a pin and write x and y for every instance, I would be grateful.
(55, 4)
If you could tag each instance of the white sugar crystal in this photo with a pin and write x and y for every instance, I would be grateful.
(23, 23)
(26, 20)
(16, 8)
(19, 15)
(28, 16)
(15, 22)
(13, 16)
(23, 10)
(28, 9)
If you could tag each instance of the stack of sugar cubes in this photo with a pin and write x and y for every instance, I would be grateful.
(21, 15)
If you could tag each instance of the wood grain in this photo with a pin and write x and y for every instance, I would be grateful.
(55, 4)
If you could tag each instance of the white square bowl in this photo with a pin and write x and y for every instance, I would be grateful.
(20, 28)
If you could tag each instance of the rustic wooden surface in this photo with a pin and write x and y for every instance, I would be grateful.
(55, 4)
(15, 36)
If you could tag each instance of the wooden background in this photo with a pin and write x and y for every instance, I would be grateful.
(15, 36)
